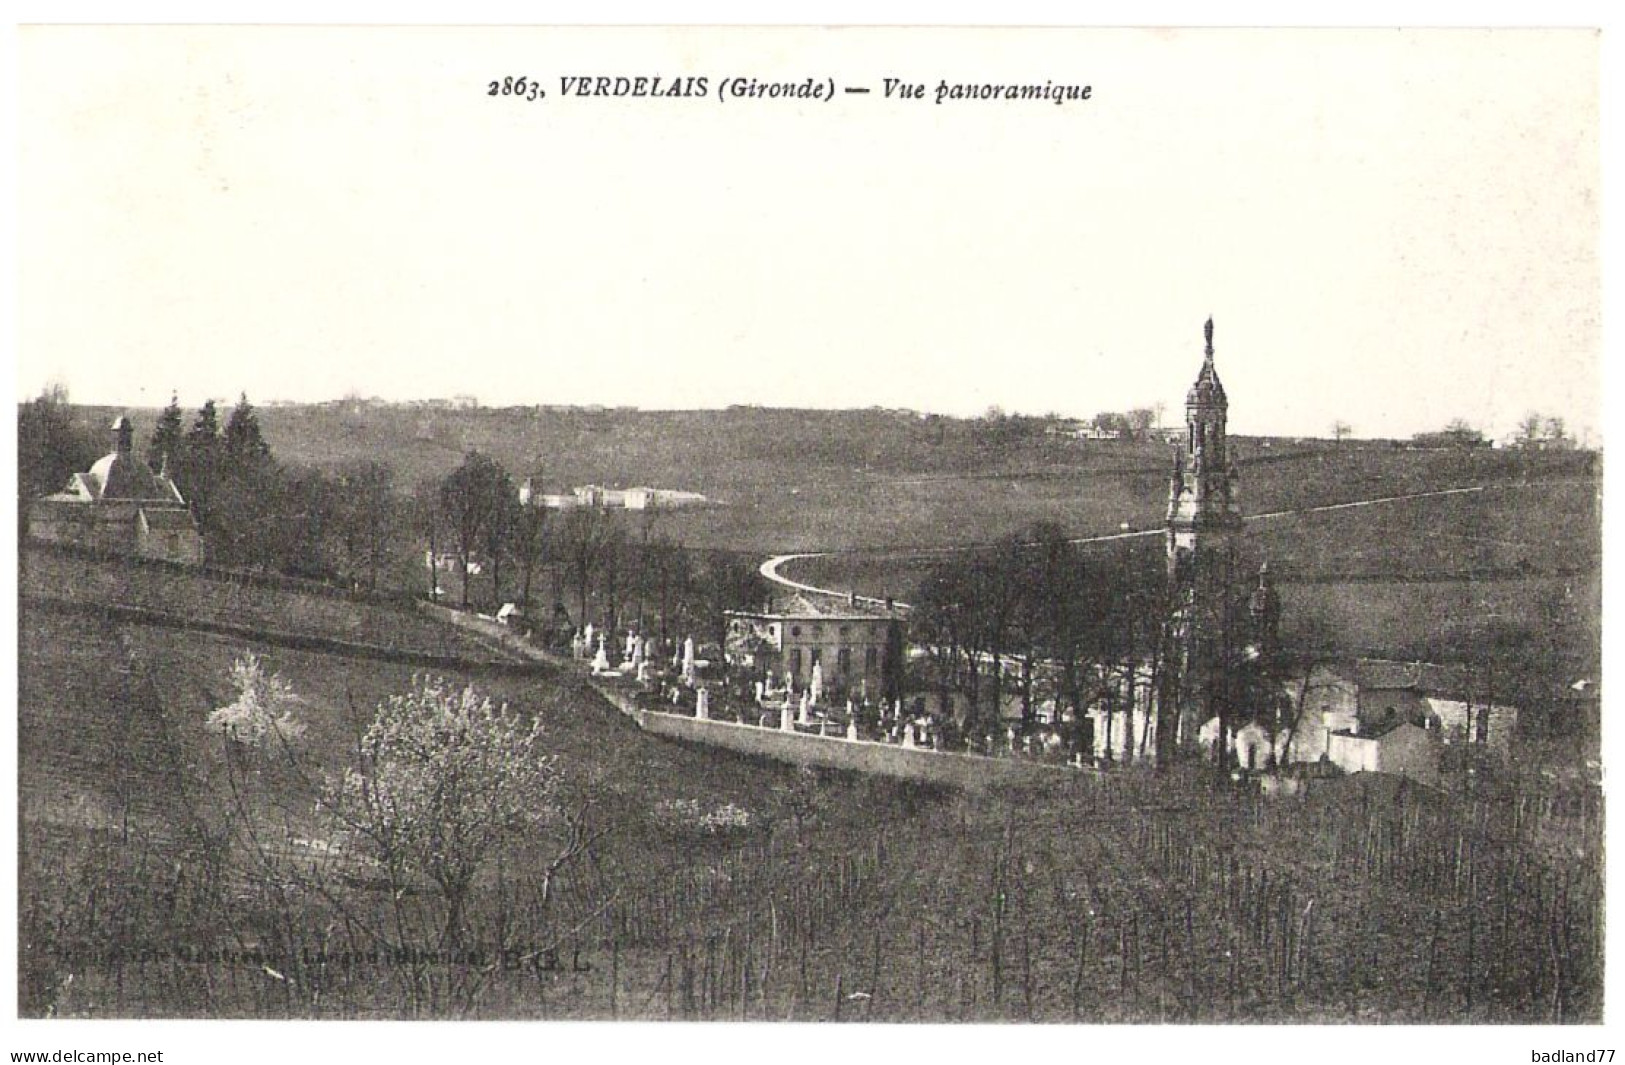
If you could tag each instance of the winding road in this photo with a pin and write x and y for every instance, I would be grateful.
(770, 568)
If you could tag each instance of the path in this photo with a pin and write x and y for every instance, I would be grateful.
(770, 568)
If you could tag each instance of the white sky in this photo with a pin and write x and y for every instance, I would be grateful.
(1394, 228)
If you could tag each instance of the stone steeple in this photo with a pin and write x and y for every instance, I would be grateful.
(1203, 525)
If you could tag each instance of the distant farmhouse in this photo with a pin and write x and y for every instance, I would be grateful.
(592, 495)
(119, 505)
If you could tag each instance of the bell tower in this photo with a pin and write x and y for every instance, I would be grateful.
(1203, 527)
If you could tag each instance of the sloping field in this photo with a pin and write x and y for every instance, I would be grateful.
(91, 748)
(215, 597)
(732, 889)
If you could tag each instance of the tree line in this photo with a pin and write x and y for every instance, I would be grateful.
(1036, 617)
(497, 542)
(472, 537)
(1039, 620)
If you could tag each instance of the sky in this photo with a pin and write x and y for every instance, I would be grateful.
(1390, 228)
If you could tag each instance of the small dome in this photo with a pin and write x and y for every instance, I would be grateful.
(122, 477)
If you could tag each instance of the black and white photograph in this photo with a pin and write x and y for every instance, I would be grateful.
(1094, 529)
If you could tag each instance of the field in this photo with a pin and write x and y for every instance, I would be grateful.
(1415, 578)
(730, 889)
(802, 480)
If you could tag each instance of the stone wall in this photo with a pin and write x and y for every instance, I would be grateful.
(830, 752)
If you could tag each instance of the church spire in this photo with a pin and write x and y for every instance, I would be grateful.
(1207, 391)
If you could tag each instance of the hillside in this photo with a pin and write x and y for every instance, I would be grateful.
(730, 889)
(804, 480)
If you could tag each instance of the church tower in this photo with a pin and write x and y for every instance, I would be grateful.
(1203, 527)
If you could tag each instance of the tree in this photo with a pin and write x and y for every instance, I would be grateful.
(263, 707)
(428, 524)
(473, 498)
(198, 470)
(1341, 430)
(444, 778)
(365, 515)
(243, 443)
(1530, 431)
(50, 446)
(727, 581)
(502, 517)
(1139, 422)
(167, 436)
(1059, 623)
(583, 541)
(1459, 433)
(1110, 423)
(307, 536)
(205, 432)
(530, 537)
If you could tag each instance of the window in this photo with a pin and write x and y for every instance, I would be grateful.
(795, 630)
(817, 656)
(843, 661)
(795, 662)
(871, 659)
(845, 629)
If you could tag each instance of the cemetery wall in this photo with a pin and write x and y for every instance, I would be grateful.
(794, 748)
(831, 752)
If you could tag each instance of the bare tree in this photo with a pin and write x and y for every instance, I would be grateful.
(584, 537)
(531, 529)
(473, 501)
(367, 515)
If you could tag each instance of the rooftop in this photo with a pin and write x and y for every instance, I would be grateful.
(806, 605)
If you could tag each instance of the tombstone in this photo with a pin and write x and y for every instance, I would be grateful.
(908, 734)
(852, 729)
(786, 722)
(600, 661)
(816, 684)
(761, 691)
(688, 659)
(702, 705)
(587, 635)
(643, 672)
(806, 701)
